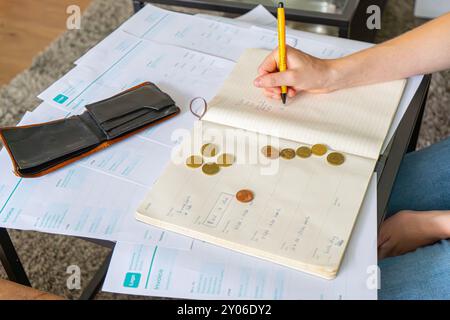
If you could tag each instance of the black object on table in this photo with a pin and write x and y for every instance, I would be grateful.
(349, 16)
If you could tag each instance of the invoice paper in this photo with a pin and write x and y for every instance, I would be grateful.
(192, 32)
(182, 73)
(210, 272)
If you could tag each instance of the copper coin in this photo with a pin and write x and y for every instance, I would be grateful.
(244, 195)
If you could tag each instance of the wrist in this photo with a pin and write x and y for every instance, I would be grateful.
(338, 74)
(440, 224)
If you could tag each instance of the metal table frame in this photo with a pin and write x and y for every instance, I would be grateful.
(404, 140)
(16, 272)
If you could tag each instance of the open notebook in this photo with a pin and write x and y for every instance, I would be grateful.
(303, 210)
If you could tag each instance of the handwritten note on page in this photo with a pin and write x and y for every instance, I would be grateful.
(354, 120)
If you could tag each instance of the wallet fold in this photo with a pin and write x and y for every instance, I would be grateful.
(41, 148)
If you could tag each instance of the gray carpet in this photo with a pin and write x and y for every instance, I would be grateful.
(46, 257)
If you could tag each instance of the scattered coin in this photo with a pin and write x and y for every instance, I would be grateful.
(319, 149)
(225, 160)
(303, 152)
(287, 153)
(209, 150)
(194, 161)
(270, 152)
(335, 158)
(210, 168)
(244, 195)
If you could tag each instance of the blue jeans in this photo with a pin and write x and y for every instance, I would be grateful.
(422, 184)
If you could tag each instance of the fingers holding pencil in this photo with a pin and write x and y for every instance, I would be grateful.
(271, 80)
(304, 73)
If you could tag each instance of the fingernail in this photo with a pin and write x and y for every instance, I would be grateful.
(257, 82)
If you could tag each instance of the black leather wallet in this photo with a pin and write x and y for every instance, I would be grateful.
(41, 148)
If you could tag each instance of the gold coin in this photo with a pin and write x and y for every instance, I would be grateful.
(303, 152)
(194, 161)
(270, 152)
(319, 149)
(244, 196)
(210, 168)
(225, 160)
(209, 150)
(335, 158)
(287, 153)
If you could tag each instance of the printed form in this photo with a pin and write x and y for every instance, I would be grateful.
(210, 272)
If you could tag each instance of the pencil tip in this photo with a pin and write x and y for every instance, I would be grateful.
(283, 98)
(280, 5)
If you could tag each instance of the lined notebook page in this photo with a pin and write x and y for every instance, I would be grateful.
(354, 120)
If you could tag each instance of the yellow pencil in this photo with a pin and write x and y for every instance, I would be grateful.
(282, 46)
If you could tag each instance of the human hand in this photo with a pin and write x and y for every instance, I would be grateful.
(304, 73)
(408, 230)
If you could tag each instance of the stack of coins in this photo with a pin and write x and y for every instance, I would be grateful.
(210, 150)
(334, 158)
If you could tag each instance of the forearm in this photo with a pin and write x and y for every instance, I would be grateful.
(422, 50)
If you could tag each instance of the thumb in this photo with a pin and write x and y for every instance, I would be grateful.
(383, 250)
(276, 79)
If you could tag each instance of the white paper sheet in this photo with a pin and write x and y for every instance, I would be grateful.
(258, 16)
(192, 32)
(95, 197)
(110, 49)
(183, 74)
(209, 272)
